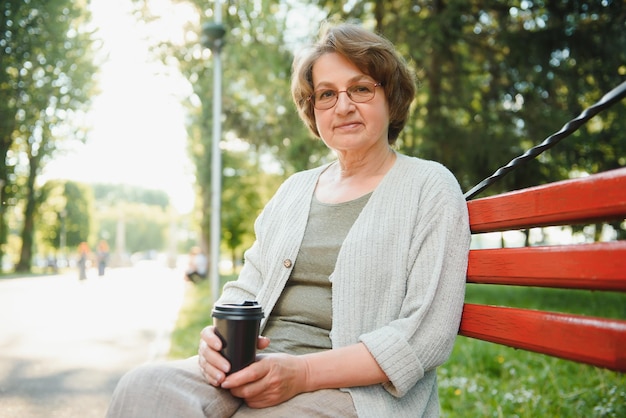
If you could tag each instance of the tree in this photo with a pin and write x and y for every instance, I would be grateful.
(80, 207)
(10, 63)
(145, 225)
(65, 215)
(47, 79)
(245, 189)
(51, 216)
(89, 213)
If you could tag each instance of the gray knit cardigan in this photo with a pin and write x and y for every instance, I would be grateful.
(398, 285)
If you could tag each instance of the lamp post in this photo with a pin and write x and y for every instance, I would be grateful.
(212, 37)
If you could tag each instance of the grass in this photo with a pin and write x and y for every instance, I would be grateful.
(194, 315)
(488, 380)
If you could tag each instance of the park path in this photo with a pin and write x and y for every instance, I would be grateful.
(65, 343)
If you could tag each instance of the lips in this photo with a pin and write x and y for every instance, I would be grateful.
(347, 125)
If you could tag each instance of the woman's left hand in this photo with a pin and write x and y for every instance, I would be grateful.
(272, 379)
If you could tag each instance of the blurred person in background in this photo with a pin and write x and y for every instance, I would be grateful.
(102, 256)
(83, 260)
(197, 266)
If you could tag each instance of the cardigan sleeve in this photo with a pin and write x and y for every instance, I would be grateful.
(422, 335)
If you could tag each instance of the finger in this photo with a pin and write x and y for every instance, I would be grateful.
(213, 365)
(252, 373)
(210, 374)
(208, 334)
(262, 342)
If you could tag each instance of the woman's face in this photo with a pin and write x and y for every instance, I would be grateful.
(349, 126)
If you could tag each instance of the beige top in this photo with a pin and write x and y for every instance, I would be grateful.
(302, 318)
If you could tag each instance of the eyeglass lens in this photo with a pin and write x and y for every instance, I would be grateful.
(359, 93)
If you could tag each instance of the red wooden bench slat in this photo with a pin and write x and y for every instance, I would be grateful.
(598, 266)
(601, 196)
(595, 341)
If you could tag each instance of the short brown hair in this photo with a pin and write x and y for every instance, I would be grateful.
(374, 55)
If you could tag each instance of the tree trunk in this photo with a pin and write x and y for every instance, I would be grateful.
(4, 147)
(26, 253)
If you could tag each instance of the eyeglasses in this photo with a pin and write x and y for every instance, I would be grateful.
(360, 92)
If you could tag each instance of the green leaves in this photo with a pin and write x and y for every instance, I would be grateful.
(46, 77)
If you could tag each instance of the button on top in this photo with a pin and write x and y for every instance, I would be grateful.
(287, 263)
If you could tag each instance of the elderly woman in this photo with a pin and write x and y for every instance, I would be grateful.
(359, 265)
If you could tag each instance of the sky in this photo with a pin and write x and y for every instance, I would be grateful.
(137, 133)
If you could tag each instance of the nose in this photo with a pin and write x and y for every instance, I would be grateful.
(344, 103)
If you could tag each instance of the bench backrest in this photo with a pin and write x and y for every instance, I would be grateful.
(596, 266)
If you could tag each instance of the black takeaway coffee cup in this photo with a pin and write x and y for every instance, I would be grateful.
(238, 325)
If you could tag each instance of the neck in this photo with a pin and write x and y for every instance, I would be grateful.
(372, 164)
(350, 179)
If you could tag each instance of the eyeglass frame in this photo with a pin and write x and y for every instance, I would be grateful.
(312, 100)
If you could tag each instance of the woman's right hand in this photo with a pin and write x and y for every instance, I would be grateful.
(212, 364)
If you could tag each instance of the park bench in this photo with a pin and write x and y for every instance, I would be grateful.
(597, 266)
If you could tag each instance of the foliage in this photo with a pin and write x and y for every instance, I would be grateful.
(65, 209)
(51, 219)
(258, 105)
(109, 194)
(241, 201)
(145, 226)
(46, 79)
(80, 212)
(79, 208)
(142, 215)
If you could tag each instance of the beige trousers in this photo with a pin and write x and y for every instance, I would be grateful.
(177, 389)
